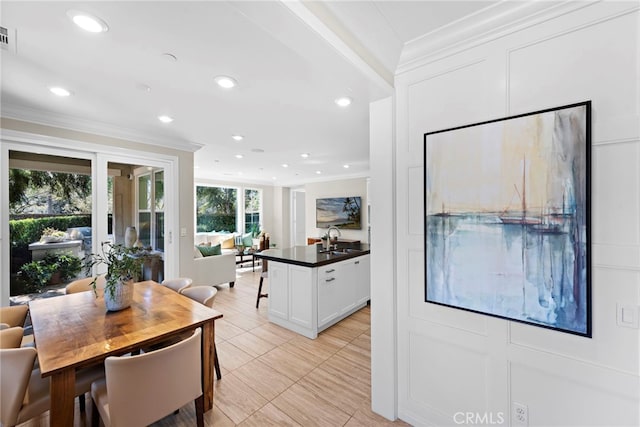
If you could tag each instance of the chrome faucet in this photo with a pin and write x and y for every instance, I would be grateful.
(329, 235)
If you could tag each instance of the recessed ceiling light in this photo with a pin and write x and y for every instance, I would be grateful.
(165, 119)
(318, 172)
(345, 101)
(226, 82)
(239, 156)
(60, 91)
(284, 165)
(88, 22)
(274, 178)
(304, 155)
(237, 137)
(345, 166)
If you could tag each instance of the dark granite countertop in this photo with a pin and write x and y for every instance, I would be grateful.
(308, 256)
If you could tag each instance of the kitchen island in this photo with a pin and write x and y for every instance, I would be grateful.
(310, 290)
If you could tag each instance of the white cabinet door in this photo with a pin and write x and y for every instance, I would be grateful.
(328, 294)
(347, 289)
(301, 296)
(363, 279)
(278, 290)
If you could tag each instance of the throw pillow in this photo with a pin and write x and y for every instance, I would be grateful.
(210, 250)
(196, 252)
(228, 243)
(247, 240)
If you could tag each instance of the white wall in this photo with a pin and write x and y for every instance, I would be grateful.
(281, 218)
(450, 360)
(339, 188)
(384, 384)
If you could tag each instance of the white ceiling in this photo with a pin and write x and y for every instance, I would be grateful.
(289, 72)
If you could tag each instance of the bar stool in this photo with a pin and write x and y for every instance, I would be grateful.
(263, 275)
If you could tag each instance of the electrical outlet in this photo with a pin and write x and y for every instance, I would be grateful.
(520, 414)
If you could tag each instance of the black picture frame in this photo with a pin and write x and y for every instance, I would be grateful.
(507, 218)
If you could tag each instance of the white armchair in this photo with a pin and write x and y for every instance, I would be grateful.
(214, 270)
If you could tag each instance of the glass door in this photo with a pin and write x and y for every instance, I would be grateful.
(150, 208)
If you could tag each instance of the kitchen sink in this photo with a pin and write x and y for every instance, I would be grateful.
(345, 251)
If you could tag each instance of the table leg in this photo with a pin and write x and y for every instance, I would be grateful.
(62, 392)
(208, 338)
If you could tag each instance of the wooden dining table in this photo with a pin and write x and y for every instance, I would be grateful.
(75, 331)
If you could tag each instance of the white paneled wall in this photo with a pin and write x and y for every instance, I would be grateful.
(452, 361)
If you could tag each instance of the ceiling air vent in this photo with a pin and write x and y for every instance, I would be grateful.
(8, 39)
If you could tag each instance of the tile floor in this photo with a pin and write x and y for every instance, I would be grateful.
(271, 376)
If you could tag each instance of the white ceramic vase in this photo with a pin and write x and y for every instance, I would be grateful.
(122, 296)
(130, 237)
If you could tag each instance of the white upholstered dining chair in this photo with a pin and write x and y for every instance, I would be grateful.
(139, 390)
(178, 283)
(24, 394)
(11, 337)
(205, 295)
(13, 316)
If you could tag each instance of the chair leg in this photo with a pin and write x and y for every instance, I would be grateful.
(216, 364)
(95, 415)
(232, 284)
(82, 403)
(260, 294)
(200, 410)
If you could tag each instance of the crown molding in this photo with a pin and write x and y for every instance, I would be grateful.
(488, 24)
(47, 118)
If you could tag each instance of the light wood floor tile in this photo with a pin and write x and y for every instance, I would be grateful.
(358, 355)
(363, 341)
(263, 379)
(236, 399)
(345, 395)
(289, 364)
(267, 416)
(364, 417)
(358, 324)
(252, 344)
(226, 330)
(231, 357)
(273, 333)
(308, 409)
(245, 322)
(344, 332)
(341, 367)
(313, 353)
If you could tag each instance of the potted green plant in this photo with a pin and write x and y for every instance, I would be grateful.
(124, 266)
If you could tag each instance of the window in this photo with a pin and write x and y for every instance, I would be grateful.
(216, 209)
(150, 187)
(228, 209)
(252, 208)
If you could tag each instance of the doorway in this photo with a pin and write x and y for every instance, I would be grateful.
(298, 232)
(104, 210)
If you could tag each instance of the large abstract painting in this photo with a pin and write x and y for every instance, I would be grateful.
(507, 221)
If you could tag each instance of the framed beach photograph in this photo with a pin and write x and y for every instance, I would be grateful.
(341, 212)
(507, 218)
